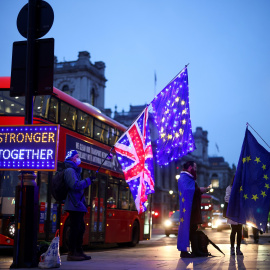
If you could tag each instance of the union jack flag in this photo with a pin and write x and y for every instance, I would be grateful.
(134, 152)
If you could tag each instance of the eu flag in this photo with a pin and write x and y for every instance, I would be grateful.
(170, 109)
(250, 197)
(186, 188)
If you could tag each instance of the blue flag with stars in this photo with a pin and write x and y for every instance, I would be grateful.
(170, 110)
(250, 196)
(186, 188)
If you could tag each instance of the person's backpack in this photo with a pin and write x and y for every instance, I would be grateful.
(58, 186)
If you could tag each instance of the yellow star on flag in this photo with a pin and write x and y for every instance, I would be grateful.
(244, 160)
(183, 199)
(245, 196)
(265, 177)
(267, 186)
(257, 160)
(184, 210)
(182, 220)
(184, 122)
(255, 197)
(180, 193)
(263, 194)
(248, 159)
(264, 167)
(241, 188)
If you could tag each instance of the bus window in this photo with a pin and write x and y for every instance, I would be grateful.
(132, 203)
(112, 195)
(68, 116)
(41, 106)
(113, 136)
(101, 131)
(85, 124)
(53, 110)
(87, 191)
(8, 183)
(10, 105)
(124, 196)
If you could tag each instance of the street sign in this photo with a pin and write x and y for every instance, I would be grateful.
(43, 71)
(44, 19)
(29, 147)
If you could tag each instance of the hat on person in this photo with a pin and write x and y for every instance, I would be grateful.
(71, 154)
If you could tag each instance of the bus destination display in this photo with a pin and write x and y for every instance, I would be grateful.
(29, 147)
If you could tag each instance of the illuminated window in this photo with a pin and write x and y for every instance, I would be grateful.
(41, 106)
(215, 181)
(53, 110)
(85, 124)
(68, 116)
(101, 131)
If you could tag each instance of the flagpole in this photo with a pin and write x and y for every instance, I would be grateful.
(258, 134)
(176, 76)
(104, 159)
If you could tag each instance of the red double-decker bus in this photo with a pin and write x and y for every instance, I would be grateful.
(209, 205)
(111, 216)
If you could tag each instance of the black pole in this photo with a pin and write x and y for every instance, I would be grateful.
(26, 199)
(30, 64)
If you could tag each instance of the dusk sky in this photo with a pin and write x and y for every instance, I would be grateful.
(225, 43)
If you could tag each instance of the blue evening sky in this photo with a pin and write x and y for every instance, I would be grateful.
(226, 43)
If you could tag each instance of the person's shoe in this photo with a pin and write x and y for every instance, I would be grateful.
(86, 257)
(185, 254)
(74, 257)
(238, 251)
(81, 253)
(232, 251)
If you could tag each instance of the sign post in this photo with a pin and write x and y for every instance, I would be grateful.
(26, 200)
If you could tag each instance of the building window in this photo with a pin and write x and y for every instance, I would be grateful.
(93, 95)
(215, 181)
(66, 89)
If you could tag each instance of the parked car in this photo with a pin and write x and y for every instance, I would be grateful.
(171, 224)
(219, 222)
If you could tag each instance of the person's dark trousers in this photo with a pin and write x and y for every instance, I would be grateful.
(236, 229)
(255, 235)
(77, 228)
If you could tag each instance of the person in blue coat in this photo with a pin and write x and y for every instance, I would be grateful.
(190, 211)
(75, 205)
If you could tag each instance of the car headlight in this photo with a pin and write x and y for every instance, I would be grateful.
(11, 230)
(168, 223)
(218, 223)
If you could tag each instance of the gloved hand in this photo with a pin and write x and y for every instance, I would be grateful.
(93, 175)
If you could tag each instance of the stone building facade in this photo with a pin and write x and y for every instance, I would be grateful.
(82, 79)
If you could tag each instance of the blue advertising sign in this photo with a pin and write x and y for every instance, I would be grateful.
(29, 147)
(92, 154)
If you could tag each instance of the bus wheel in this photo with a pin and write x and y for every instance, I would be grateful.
(135, 235)
(65, 236)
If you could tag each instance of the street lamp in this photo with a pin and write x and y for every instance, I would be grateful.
(171, 193)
